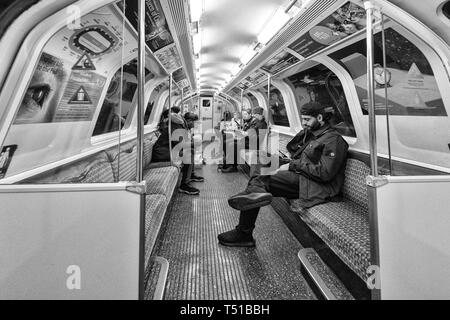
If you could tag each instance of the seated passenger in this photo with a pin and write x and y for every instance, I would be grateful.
(161, 150)
(227, 129)
(227, 123)
(251, 131)
(315, 175)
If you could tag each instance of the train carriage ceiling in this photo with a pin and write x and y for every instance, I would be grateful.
(238, 43)
(220, 33)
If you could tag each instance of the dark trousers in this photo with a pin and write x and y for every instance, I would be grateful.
(283, 184)
(229, 142)
(187, 169)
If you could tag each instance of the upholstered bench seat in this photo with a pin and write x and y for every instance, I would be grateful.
(155, 209)
(161, 180)
(344, 227)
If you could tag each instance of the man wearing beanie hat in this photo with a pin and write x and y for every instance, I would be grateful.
(315, 174)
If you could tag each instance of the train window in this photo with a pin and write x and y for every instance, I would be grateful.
(446, 9)
(253, 100)
(115, 110)
(411, 85)
(62, 100)
(322, 85)
(151, 104)
(277, 108)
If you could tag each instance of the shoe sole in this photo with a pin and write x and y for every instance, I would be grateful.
(189, 193)
(240, 245)
(243, 203)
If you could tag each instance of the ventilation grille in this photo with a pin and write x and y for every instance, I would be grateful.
(292, 33)
(180, 21)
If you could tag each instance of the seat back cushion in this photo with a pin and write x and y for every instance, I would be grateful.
(94, 169)
(123, 161)
(355, 188)
(149, 142)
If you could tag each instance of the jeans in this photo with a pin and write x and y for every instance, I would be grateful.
(282, 184)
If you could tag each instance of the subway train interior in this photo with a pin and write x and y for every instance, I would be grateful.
(91, 209)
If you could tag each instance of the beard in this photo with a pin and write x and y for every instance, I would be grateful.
(314, 126)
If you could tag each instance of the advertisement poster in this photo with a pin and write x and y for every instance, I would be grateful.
(6, 156)
(44, 92)
(169, 58)
(254, 79)
(180, 78)
(157, 30)
(81, 97)
(411, 86)
(280, 62)
(344, 22)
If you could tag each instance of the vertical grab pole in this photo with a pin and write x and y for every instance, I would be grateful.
(141, 93)
(269, 83)
(372, 187)
(371, 90)
(388, 126)
(140, 142)
(182, 100)
(170, 117)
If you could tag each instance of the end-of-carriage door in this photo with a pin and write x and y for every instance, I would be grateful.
(207, 105)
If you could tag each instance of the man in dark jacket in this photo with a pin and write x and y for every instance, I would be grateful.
(314, 175)
(161, 150)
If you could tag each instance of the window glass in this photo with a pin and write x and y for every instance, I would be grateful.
(411, 85)
(320, 84)
(115, 110)
(277, 108)
(253, 100)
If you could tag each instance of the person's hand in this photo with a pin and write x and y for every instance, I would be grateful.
(284, 167)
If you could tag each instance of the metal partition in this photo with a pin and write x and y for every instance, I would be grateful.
(413, 222)
(71, 242)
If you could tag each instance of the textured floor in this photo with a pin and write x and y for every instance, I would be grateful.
(201, 269)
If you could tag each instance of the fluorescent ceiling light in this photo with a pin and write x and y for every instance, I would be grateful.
(198, 63)
(196, 10)
(248, 55)
(197, 39)
(235, 70)
(278, 21)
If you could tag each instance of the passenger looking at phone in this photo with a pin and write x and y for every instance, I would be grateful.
(314, 175)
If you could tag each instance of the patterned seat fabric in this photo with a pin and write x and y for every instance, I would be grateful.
(155, 209)
(344, 225)
(95, 169)
(149, 143)
(161, 181)
(354, 188)
(123, 161)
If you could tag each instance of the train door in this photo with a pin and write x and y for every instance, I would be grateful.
(207, 113)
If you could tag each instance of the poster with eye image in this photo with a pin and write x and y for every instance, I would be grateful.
(347, 20)
(81, 97)
(44, 91)
(157, 30)
(6, 155)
